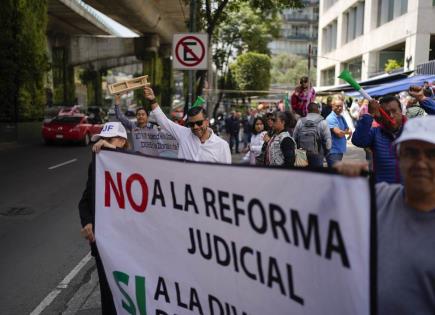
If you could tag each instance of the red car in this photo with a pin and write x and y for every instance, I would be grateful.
(75, 128)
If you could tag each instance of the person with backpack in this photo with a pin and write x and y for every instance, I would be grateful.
(313, 135)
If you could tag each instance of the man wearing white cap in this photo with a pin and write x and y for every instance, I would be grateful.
(406, 223)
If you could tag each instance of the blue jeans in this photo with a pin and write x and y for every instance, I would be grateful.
(234, 141)
(333, 158)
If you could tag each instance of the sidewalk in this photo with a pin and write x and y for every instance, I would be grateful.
(86, 300)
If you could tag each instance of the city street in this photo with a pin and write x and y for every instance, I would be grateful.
(39, 223)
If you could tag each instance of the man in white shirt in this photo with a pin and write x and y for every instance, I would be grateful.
(197, 142)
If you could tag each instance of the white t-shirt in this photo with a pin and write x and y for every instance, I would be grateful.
(214, 149)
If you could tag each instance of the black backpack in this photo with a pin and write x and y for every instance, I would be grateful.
(308, 136)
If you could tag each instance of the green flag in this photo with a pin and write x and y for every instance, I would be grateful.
(199, 102)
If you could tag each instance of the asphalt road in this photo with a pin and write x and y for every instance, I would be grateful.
(39, 222)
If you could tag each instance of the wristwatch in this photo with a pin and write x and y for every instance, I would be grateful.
(153, 101)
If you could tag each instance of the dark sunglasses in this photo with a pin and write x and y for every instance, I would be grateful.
(192, 124)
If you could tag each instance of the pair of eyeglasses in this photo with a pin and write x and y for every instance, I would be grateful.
(192, 124)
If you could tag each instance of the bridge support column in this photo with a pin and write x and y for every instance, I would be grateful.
(147, 50)
(167, 76)
(63, 77)
(93, 80)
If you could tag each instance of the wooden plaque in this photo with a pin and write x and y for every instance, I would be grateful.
(125, 86)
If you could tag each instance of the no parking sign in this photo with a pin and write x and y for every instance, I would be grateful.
(189, 51)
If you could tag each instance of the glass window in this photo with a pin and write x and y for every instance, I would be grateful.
(354, 67)
(391, 9)
(354, 22)
(328, 76)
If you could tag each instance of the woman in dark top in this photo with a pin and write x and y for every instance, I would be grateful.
(280, 149)
(114, 136)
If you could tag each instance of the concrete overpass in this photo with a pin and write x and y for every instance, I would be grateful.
(79, 37)
(72, 18)
(161, 17)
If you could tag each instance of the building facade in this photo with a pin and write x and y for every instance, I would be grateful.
(299, 29)
(362, 35)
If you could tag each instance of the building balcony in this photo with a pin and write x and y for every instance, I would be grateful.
(301, 37)
(301, 18)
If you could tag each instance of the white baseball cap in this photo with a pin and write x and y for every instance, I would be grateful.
(419, 128)
(110, 130)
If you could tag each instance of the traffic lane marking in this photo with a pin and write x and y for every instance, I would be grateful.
(62, 164)
(61, 286)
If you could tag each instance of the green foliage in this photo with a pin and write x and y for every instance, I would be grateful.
(87, 76)
(252, 71)
(23, 58)
(393, 64)
(288, 69)
(248, 30)
(246, 26)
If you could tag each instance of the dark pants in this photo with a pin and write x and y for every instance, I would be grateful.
(234, 139)
(315, 160)
(369, 158)
(246, 139)
(107, 305)
(333, 158)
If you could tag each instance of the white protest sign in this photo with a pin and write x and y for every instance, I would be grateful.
(180, 237)
(155, 141)
(190, 51)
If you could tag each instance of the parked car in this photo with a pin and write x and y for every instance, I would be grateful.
(76, 109)
(96, 114)
(50, 113)
(74, 128)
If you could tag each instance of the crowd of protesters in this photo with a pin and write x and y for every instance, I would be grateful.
(397, 132)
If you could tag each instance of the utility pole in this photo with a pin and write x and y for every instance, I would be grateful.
(192, 29)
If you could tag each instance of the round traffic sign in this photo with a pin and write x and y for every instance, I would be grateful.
(190, 51)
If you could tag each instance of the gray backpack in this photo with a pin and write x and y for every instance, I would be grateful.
(308, 136)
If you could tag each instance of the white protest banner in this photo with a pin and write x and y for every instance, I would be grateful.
(180, 237)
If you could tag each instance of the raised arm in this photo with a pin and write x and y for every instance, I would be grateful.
(174, 129)
(120, 116)
(363, 134)
(427, 103)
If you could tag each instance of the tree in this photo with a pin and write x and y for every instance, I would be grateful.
(393, 64)
(252, 71)
(244, 25)
(213, 13)
(288, 69)
(23, 59)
